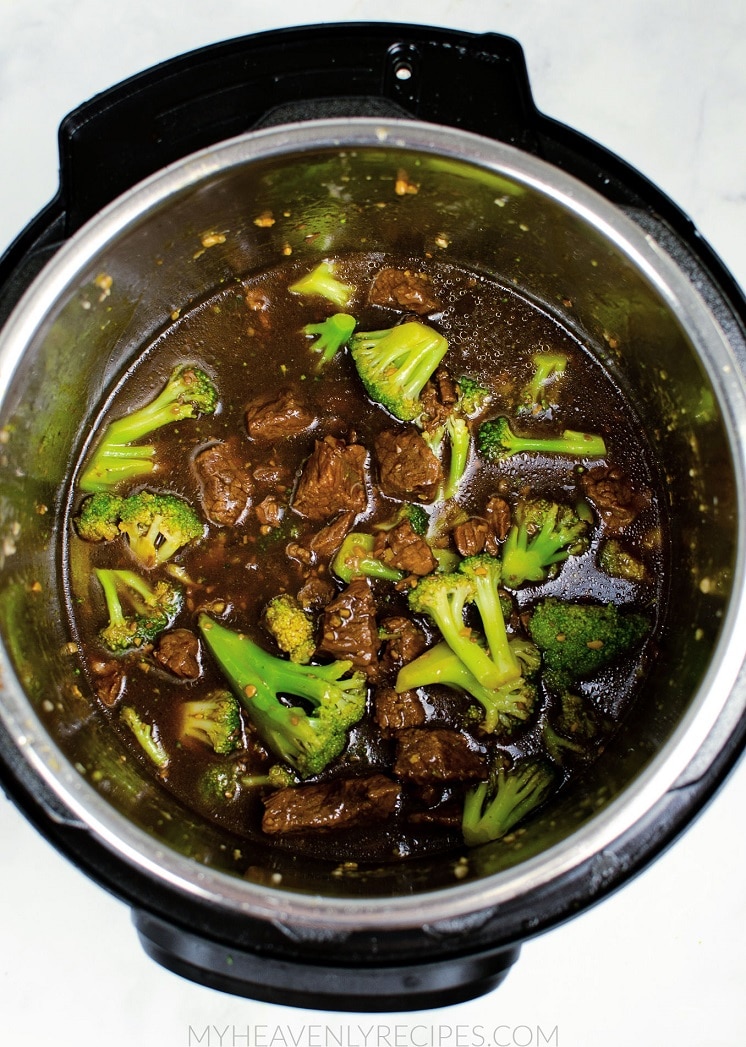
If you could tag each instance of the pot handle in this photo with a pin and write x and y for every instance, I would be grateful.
(475, 82)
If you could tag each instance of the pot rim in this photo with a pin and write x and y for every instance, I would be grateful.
(723, 682)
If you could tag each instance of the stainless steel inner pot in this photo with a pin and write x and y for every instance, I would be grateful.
(330, 187)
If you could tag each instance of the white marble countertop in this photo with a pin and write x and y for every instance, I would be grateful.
(660, 964)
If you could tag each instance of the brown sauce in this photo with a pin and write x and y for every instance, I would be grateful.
(248, 336)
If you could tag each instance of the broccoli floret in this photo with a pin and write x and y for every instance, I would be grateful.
(616, 560)
(394, 365)
(188, 393)
(220, 783)
(214, 720)
(547, 368)
(158, 525)
(331, 334)
(355, 559)
(494, 807)
(505, 707)
(453, 438)
(542, 536)
(574, 727)
(149, 609)
(473, 397)
(323, 281)
(98, 517)
(485, 572)
(497, 441)
(307, 741)
(443, 597)
(416, 514)
(291, 626)
(577, 640)
(146, 735)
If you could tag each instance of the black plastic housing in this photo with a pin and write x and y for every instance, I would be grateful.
(477, 83)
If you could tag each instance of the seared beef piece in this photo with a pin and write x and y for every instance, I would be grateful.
(269, 511)
(437, 754)
(613, 496)
(343, 803)
(470, 537)
(316, 592)
(178, 651)
(275, 416)
(403, 289)
(448, 814)
(407, 468)
(498, 516)
(394, 711)
(225, 482)
(326, 542)
(349, 629)
(404, 641)
(332, 480)
(484, 533)
(109, 681)
(438, 397)
(402, 548)
(272, 474)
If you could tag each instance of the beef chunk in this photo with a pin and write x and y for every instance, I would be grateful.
(316, 592)
(613, 496)
(407, 467)
(332, 480)
(395, 711)
(404, 289)
(484, 533)
(178, 651)
(349, 629)
(109, 681)
(470, 536)
(404, 640)
(275, 416)
(225, 482)
(402, 548)
(449, 815)
(437, 754)
(325, 543)
(343, 803)
(498, 516)
(269, 511)
(438, 397)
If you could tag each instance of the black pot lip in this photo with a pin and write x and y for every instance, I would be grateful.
(724, 682)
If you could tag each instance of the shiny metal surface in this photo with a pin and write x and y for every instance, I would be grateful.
(133, 229)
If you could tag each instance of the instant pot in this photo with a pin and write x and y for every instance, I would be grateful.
(311, 125)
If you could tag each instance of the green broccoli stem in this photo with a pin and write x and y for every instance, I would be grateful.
(355, 559)
(175, 402)
(497, 440)
(485, 572)
(188, 392)
(146, 737)
(115, 581)
(440, 665)
(443, 597)
(248, 665)
(258, 679)
(547, 367)
(332, 334)
(493, 808)
(323, 281)
(460, 445)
